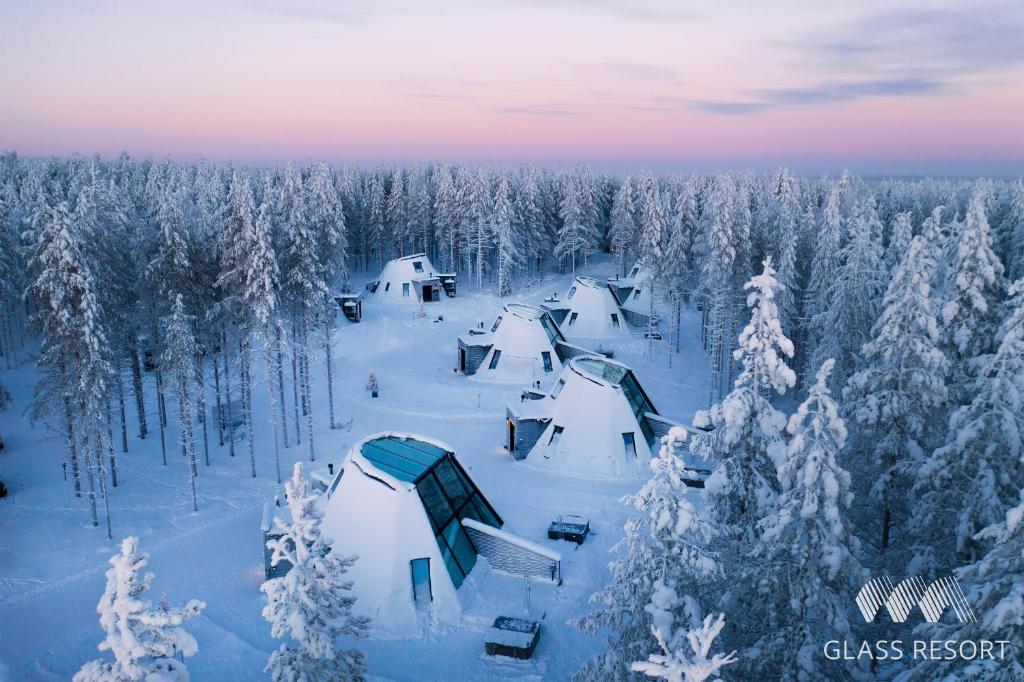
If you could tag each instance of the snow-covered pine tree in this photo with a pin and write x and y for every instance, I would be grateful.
(260, 300)
(233, 237)
(376, 218)
(74, 361)
(807, 554)
(743, 432)
(397, 216)
(742, 436)
(575, 236)
(676, 261)
(501, 226)
(446, 218)
(529, 209)
(897, 394)
(654, 233)
(825, 265)
(969, 482)
(311, 603)
(143, 641)
(970, 312)
(326, 219)
(901, 231)
(685, 650)
(178, 360)
(787, 224)
(993, 587)
(853, 297)
(667, 544)
(476, 218)
(420, 226)
(304, 287)
(624, 226)
(717, 273)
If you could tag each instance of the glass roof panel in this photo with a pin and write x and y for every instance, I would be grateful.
(605, 370)
(404, 458)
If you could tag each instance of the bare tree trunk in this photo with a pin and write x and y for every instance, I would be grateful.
(110, 446)
(103, 481)
(227, 403)
(279, 369)
(295, 379)
(119, 387)
(90, 476)
(247, 400)
(188, 437)
(306, 388)
(140, 403)
(220, 406)
(69, 426)
(201, 400)
(651, 324)
(272, 410)
(160, 414)
(328, 328)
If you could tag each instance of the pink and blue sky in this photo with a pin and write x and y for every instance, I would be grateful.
(879, 87)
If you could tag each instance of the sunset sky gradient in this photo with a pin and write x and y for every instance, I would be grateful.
(877, 87)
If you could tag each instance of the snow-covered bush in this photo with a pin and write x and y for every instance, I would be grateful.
(685, 651)
(144, 641)
(312, 602)
(666, 544)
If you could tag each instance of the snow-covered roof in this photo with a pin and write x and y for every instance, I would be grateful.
(638, 283)
(591, 309)
(522, 341)
(597, 427)
(399, 280)
(398, 498)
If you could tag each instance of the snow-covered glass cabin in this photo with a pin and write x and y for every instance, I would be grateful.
(409, 510)
(590, 308)
(596, 421)
(634, 294)
(411, 279)
(523, 344)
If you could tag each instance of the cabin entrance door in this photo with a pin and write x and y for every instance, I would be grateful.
(511, 436)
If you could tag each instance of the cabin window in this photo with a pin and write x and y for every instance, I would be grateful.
(636, 294)
(557, 389)
(496, 323)
(387, 286)
(556, 434)
(417, 266)
(546, 357)
(635, 272)
(572, 292)
(629, 441)
(494, 358)
(405, 289)
(373, 288)
(421, 592)
(615, 320)
(572, 319)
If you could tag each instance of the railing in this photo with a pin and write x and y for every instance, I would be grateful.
(512, 554)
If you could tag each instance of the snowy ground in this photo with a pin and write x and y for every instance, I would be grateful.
(52, 561)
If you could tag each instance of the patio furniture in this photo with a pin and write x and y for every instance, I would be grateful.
(513, 637)
(569, 527)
